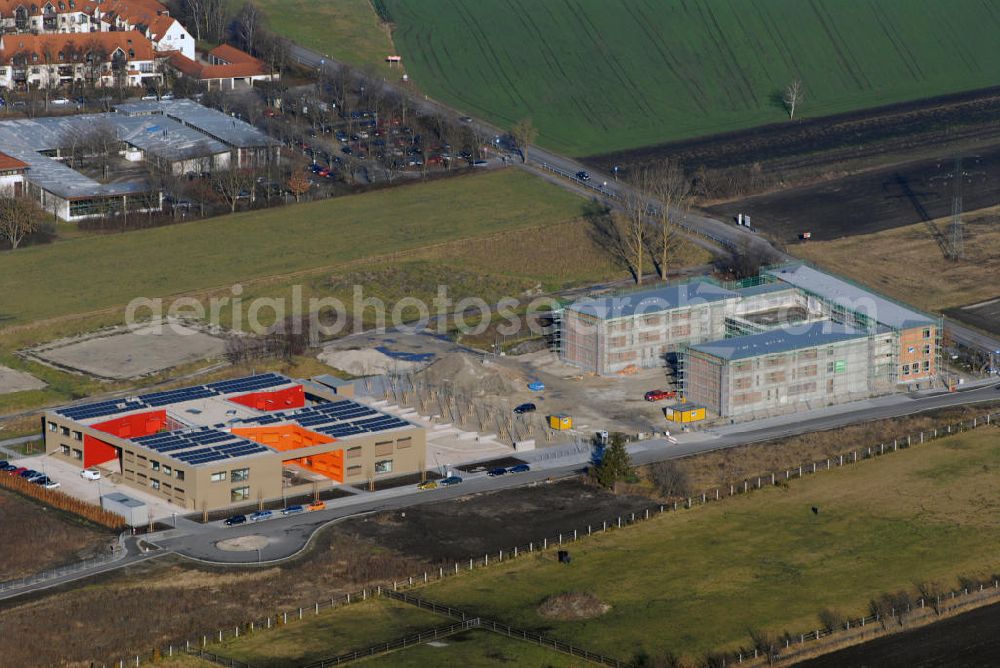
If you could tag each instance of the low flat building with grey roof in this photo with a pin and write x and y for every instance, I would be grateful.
(190, 138)
(249, 145)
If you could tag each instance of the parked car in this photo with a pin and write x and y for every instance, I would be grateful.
(291, 510)
(17, 470)
(450, 480)
(167, 96)
(525, 408)
(536, 386)
(149, 97)
(260, 515)
(7, 467)
(583, 176)
(28, 474)
(660, 395)
(90, 474)
(480, 163)
(317, 505)
(41, 480)
(3, 463)
(52, 484)
(428, 484)
(519, 468)
(60, 101)
(493, 473)
(236, 519)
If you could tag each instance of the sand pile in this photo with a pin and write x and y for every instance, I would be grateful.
(468, 375)
(365, 362)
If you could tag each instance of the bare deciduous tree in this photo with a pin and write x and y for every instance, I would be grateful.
(635, 220)
(18, 218)
(671, 188)
(793, 96)
(247, 23)
(524, 133)
(233, 184)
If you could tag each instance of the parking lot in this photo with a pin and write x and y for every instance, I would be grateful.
(71, 483)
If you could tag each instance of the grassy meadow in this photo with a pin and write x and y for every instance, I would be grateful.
(330, 633)
(87, 274)
(694, 582)
(916, 256)
(598, 76)
(346, 30)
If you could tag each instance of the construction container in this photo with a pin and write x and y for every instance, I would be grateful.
(684, 413)
(561, 422)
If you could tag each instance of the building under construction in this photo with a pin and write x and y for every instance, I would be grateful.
(794, 336)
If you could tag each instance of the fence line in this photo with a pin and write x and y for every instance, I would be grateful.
(570, 536)
(118, 551)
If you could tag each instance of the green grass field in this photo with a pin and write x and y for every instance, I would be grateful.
(86, 274)
(473, 649)
(333, 632)
(347, 30)
(696, 581)
(598, 76)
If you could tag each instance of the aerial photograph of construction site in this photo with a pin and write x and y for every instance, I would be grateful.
(646, 334)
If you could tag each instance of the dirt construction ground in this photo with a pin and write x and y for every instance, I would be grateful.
(481, 523)
(122, 354)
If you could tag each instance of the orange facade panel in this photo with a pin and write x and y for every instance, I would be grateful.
(284, 437)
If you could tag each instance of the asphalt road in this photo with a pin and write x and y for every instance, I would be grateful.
(288, 535)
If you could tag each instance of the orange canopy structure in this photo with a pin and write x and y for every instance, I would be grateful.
(290, 437)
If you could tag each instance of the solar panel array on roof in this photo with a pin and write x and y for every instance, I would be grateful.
(248, 384)
(167, 397)
(102, 408)
(176, 396)
(338, 419)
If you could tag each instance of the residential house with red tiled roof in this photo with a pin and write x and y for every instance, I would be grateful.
(150, 17)
(225, 67)
(103, 59)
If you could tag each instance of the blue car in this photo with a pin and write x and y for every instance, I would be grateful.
(235, 519)
(519, 468)
(497, 471)
(450, 480)
(291, 510)
(260, 515)
(536, 386)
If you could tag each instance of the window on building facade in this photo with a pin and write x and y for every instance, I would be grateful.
(219, 477)
(154, 483)
(240, 493)
(179, 474)
(77, 435)
(240, 475)
(383, 466)
(153, 464)
(64, 449)
(77, 454)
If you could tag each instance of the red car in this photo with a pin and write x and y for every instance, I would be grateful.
(660, 395)
(18, 471)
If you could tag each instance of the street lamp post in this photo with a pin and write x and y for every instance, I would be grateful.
(258, 555)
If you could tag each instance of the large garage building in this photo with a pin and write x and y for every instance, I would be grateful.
(236, 441)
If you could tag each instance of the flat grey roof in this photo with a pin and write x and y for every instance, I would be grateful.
(843, 293)
(225, 128)
(26, 139)
(118, 497)
(782, 340)
(332, 381)
(763, 289)
(653, 300)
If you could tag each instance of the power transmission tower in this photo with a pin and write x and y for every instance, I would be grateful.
(956, 245)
